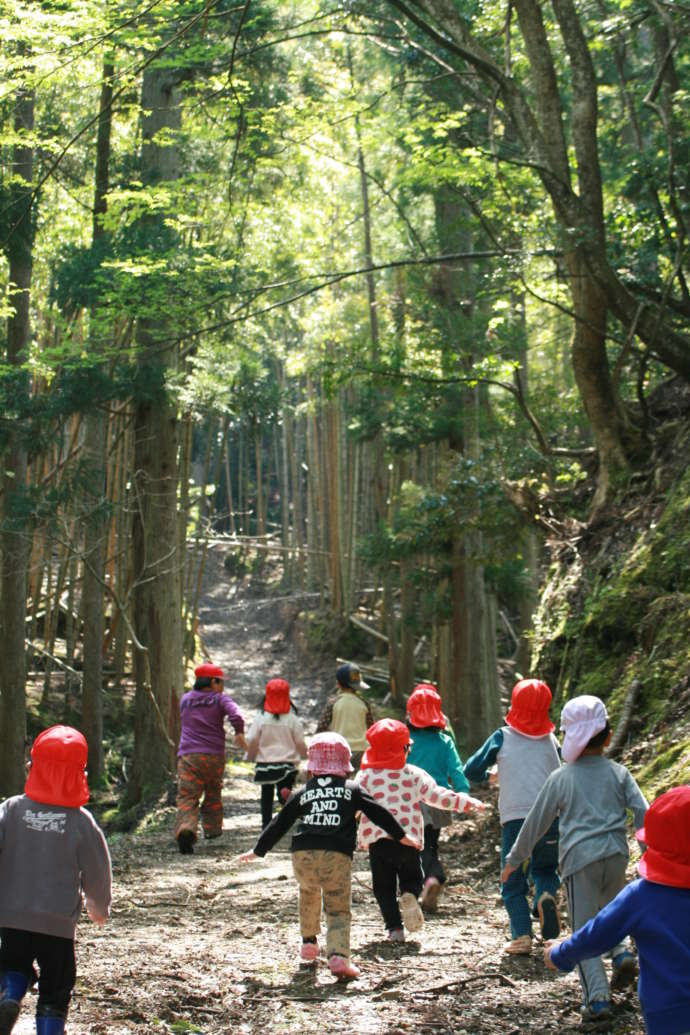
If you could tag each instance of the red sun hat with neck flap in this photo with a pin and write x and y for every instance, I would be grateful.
(58, 768)
(424, 707)
(529, 708)
(277, 697)
(388, 741)
(208, 671)
(666, 833)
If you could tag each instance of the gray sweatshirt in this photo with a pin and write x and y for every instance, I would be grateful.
(50, 856)
(591, 797)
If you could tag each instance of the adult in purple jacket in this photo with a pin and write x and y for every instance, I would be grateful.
(201, 755)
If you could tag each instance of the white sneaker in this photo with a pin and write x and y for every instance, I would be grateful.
(411, 913)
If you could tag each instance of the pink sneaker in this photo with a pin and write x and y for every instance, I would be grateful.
(342, 968)
(309, 951)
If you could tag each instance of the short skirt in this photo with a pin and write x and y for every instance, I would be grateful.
(273, 772)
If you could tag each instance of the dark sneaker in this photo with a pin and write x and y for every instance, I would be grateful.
(549, 920)
(624, 970)
(598, 1012)
(185, 842)
(9, 1011)
(430, 895)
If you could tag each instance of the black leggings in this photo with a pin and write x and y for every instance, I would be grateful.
(267, 792)
(393, 865)
(56, 965)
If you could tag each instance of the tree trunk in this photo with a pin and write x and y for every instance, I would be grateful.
(157, 559)
(95, 527)
(16, 537)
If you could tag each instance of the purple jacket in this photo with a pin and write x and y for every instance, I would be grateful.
(203, 713)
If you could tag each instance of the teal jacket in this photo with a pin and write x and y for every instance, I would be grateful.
(434, 752)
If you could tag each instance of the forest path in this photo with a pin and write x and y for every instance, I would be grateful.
(204, 944)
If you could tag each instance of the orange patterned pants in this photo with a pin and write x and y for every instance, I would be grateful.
(199, 776)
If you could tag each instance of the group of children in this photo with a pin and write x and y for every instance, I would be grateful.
(559, 822)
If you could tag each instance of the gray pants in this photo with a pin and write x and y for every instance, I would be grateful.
(588, 891)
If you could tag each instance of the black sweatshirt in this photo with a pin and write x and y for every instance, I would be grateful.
(326, 809)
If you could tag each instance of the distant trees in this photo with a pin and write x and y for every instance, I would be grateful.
(283, 272)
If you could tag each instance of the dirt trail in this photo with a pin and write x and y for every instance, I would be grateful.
(203, 944)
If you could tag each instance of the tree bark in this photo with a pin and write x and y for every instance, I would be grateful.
(95, 525)
(157, 559)
(16, 536)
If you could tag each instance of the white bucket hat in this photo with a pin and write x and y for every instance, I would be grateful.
(581, 719)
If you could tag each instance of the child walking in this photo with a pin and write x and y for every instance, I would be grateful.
(435, 752)
(656, 912)
(323, 846)
(275, 741)
(52, 854)
(401, 788)
(201, 755)
(525, 752)
(591, 795)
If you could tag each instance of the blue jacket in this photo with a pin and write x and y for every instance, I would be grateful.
(434, 752)
(658, 918)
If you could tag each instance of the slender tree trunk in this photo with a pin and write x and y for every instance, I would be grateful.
(16, 540)
(95, 526)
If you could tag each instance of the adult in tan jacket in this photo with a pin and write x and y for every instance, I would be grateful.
(347, 713)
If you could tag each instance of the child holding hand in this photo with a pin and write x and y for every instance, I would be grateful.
(323, 846)
(591, 796)
(401, 788)
(656, 912)
(525, 753)
(435, 752)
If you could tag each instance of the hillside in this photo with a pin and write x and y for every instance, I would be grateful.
(614, 614)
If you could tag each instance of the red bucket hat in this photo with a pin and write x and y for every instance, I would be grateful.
(388, 740)
(666, 833)
(329, 753)
(58, 763)
(529, 708)
(277, 697)
(207, 671)
(424, 707)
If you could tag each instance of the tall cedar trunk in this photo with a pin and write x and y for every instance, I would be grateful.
(15, 546)
(472, 692)
(95, 528)
(156, 553)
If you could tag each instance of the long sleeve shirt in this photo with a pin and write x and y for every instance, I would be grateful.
(402, 791)
(203, 713)
(435, 753)
(658, 918)
(326, 810)
(50, 857)
(591, 796)
(276, 738)
(524, 764)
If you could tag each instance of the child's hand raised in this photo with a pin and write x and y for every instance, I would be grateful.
(246, 857)
(409, 843)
